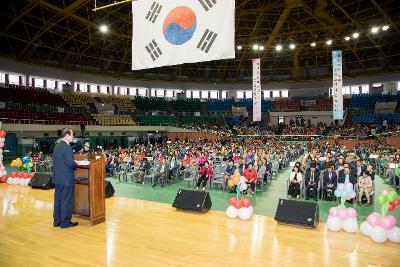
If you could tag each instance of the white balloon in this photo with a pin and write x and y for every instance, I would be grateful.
(350, 225)
(251, 210)
(244, 214)
(394, 235)
(378, 234)
(231, 212)
(365, 228)
(27, 181)
(2, 140)
(20, 181)
(334, 223)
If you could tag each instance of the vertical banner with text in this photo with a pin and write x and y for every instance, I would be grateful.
(256, 90)
(337, 93)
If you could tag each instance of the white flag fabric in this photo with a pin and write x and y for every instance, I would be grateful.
(171, 32)
(337, 92)
(256, 90)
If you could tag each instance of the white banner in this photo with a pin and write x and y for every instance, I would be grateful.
(171, 32)
(256, 90)
(337, 93)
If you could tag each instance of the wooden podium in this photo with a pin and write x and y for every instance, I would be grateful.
(89, 191)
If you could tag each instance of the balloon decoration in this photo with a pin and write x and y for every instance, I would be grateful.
(3, 172)
(238, 181)
(24, 174)
(341, 217)
(380, 226)
(239, 206)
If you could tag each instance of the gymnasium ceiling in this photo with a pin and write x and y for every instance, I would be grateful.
(65, 34)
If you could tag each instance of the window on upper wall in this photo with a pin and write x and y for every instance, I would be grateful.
(39, 82)
(160, 92)
(123, 90)
(60, 84)
(204, 94)
(2, 77)
(398, 86)
(355, 90)
(142, 91)
(224, 94)
(214, 94)
(249, 94)
(346, 90)
(365, 89)
(188, 94)
(169, 93)
(285, 93)
(103, 89)
(131, 91)
(51, 84)
(376, 85)
(267, 94)
(196, 94)
(275, 93)
(240, 94)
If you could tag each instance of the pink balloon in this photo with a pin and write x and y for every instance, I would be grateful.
(384, 192)
(1, 145)
(242, 179)
(349, 186)
(374, 219)
(243, 186)
(342, 214)
(388, 222)
(340, 187)
(2, 168)
(352, 195)
(333, 211)
(351, 213)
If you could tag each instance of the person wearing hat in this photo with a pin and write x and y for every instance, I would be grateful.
(312, 181)
(86, 149)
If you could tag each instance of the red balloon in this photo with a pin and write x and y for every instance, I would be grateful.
(2, 134)
(396, 202)
(3, 179)
(236, 203)
(13, 174)
(232, 200)
(391, 206)
(25, 175)
(245, 202)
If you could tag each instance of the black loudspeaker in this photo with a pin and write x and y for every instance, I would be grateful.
(109, 189)
(83, 127)
(192, 200)
(299, 213)
(41, 181)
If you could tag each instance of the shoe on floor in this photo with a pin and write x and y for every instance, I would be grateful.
(72, 224)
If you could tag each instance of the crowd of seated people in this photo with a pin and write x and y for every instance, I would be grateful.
(319, 173)
(295, 128)
(166, 161)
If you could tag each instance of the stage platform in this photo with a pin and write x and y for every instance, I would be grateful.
(144, 233)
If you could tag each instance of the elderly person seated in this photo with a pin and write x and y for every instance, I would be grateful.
(365, 187)
(330, 182)
(295, 179)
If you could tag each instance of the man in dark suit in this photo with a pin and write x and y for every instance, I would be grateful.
(346, 176)
(358, 168)
(63, 178)
(312, 181)
(330, 180)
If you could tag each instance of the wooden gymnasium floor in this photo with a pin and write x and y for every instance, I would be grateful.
(142, 233)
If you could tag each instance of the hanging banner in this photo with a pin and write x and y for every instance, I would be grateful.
(337, 93)
(256, 90)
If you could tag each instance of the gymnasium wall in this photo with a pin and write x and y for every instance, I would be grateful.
(315, 116)
(308, 88)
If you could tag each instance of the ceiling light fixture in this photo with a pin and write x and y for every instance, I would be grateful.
(239, 47)
(347, 38)
(355, 35)
(374, 30)
(385, 28)
(313, 44)
(278, 48)
(255, 47)
(292, 46)
(329, 42)
(103, 28)
(261, 48)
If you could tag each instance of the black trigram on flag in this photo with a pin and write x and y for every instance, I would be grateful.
(207, 4)
(154, 11)
(207, 41)
(153, 50)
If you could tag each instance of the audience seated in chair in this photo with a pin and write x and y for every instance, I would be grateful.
(312, 182)
(330, 182)
(365, 187)
(139, 174)
(251, 178)
(295, 179)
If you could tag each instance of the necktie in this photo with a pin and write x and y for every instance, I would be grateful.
(312, 177)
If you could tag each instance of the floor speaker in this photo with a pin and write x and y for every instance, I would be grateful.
(109, 189)
(41, 181)
(298, 213)
(192, 200)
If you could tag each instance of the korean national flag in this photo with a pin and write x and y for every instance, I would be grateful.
(171, 32)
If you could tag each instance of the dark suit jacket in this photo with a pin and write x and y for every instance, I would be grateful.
(63, 164)
(328, 181)
(308, 177)
(342, 178)
(355, 169)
